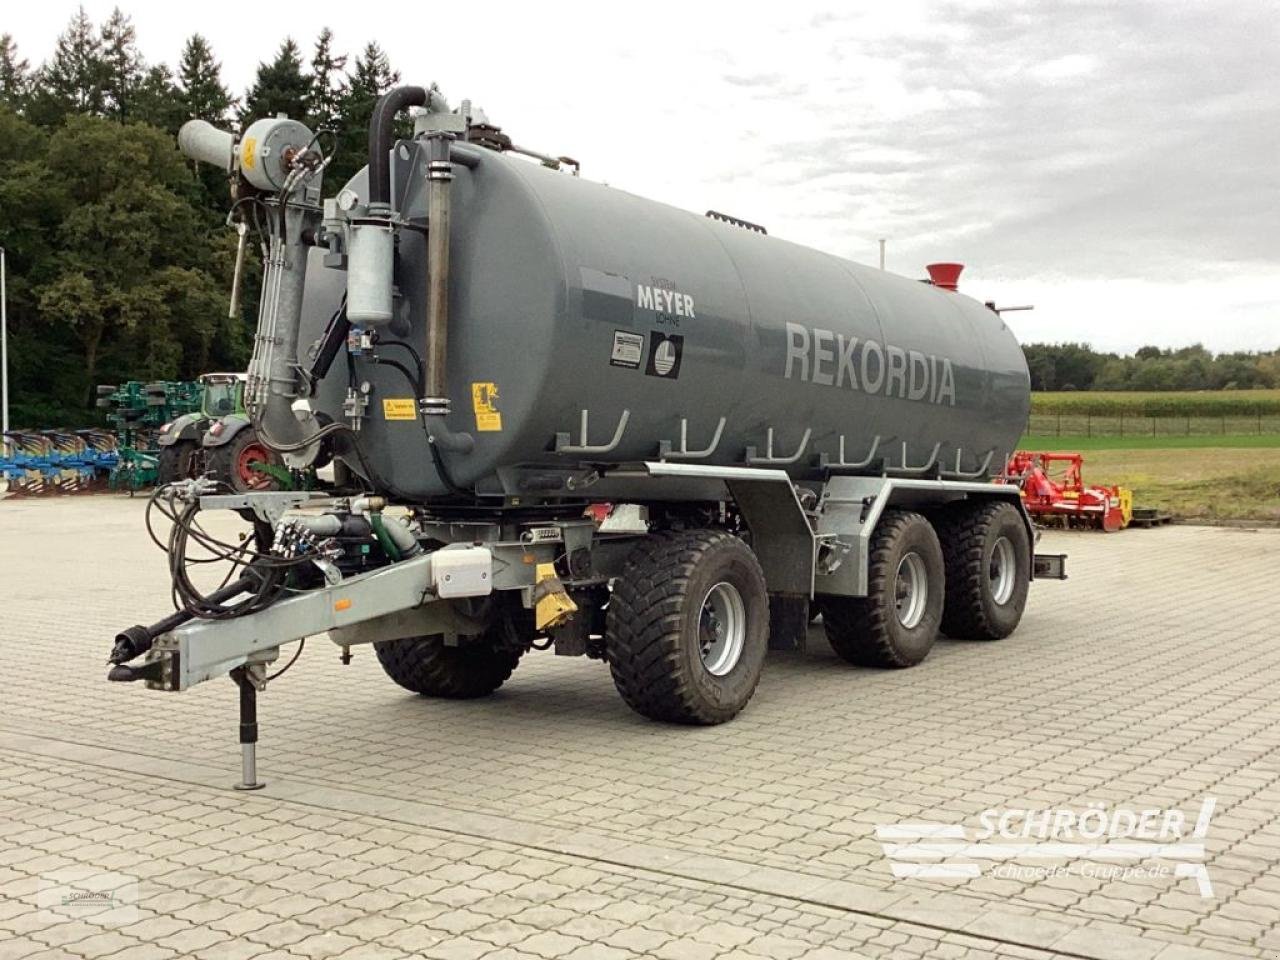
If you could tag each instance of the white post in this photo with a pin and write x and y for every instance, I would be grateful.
(4, 347)
(882, 240)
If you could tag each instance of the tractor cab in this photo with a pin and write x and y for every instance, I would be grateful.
(221, 394)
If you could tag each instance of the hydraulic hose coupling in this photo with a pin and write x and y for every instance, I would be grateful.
(392, 532)
(130, 643)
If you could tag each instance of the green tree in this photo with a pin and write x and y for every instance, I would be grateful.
(1268, 366)
(121, 65)
(157, 101)
(27, 220)
(133, 254)
(71, 81)
(370, 78)
(15, 73)
(327, 86)
(280, 87)
(200, 88)
(1054, 366)
(1116, 374)
(201, 95)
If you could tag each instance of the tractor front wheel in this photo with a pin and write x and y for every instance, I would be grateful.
(178, 461)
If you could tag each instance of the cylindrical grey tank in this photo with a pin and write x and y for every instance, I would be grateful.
(568, 295)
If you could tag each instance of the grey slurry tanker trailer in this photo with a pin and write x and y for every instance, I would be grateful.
(496, 352)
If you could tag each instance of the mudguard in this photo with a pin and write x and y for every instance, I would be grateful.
(189, 426)
(232, 424)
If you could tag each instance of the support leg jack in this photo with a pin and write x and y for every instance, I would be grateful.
(248, 730)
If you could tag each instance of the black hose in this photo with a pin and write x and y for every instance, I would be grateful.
(381, 127)
(417, 357)
(294, 659)
(436, 456)
(408, 375)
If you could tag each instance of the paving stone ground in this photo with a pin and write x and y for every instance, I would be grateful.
(394, 825)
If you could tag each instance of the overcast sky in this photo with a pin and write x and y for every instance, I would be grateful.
(1115, 164)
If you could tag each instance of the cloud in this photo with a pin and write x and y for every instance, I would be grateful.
(1098, 140)
(1081, 155)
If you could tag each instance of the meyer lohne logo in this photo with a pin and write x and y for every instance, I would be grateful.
(1029, 844)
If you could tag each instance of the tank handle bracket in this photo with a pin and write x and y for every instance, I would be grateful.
(843, 464)
(665, 451)
(928, 464)
(958, 474)
(753, 459)
(564, 441)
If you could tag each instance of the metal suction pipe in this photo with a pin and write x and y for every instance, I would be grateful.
(273, 380)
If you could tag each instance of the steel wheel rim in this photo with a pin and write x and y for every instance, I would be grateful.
(1002, 571)
(911, 590)
(722, 629)
(248, 476)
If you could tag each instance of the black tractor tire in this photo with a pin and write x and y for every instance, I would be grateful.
(977, 569)
(476, 667)
(178, 461)
(227, 463)
(870, 631)
(658, 622)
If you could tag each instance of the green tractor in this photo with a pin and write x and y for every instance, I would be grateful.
(218, 440)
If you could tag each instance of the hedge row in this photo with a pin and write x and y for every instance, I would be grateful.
(1220, 403)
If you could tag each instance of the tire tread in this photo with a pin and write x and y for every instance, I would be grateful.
(644, 626)
(963, 534)
(426, 666)
(857, 628)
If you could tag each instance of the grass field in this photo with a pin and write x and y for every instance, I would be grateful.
(1196, 478)
(1209, 455)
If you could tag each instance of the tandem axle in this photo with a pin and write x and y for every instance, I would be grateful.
(680, 599)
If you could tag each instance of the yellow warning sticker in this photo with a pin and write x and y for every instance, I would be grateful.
(248, 153)
(399, 408)
(484, 400)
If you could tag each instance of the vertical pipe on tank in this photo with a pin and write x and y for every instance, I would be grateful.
(439, 201)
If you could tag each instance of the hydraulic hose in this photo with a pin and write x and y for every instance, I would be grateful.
(384, 539)
(381, 128)
(137, 640)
